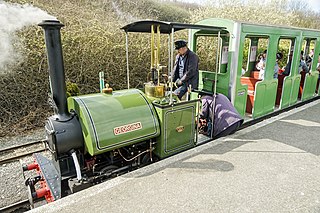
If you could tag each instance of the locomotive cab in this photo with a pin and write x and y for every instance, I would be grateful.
(177, 118)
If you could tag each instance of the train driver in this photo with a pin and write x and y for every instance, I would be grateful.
(185, 71)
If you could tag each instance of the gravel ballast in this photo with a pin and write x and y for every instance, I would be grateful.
(12, 188)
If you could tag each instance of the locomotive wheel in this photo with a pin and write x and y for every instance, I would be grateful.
(147, 160)
(108, 170)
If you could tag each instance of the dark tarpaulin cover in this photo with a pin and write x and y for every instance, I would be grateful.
(225, 115)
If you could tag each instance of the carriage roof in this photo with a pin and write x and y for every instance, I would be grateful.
(167, 27)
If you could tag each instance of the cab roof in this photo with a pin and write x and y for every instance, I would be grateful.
(166, 27)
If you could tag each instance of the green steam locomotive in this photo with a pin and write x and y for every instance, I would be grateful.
(98, 136)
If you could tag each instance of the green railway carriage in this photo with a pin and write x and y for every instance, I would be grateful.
(250, 95)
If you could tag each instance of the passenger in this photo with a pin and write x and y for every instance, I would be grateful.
(318, 64)
(261, 65)
(302, 66)
(185, 69)
(288, 66)
(318, 69)
(279, 56)
(309, 58)
(226, 118)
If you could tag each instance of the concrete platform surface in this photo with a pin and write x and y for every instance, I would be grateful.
(273, 166)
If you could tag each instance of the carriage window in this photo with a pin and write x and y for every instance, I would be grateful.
(207, 51)
(284, 56)
(252, 51)
(308, 51)
(286, 48)
(262, 46)
(247, 56)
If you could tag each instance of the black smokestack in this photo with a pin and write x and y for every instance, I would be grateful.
(55, 62)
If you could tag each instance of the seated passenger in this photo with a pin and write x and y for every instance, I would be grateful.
(226, 118)
(318, 64)
(302, 66)
(288, 66)
(318, 69)
(276, 67)
(309, 58)
(261, 65)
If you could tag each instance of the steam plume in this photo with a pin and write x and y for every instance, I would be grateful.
(14, 17)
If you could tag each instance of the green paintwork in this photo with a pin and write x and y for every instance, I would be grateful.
(207, 84)
(291, 83)
(101, 115)
(172, 118)
(286, 92)
(310, 85)
(265, 96)
(295, 89)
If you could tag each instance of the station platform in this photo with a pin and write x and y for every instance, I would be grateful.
(272, 166)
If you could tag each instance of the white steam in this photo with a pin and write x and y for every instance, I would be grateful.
(14, 17)
(122, 15)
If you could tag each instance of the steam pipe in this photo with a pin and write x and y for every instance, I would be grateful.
(56, 68)
(76, 164)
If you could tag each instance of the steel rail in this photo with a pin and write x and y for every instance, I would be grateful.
(13, 157)
(21, 146)
(16, 206)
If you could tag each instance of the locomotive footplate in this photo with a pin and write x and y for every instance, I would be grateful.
(47, 176)
(76, 185)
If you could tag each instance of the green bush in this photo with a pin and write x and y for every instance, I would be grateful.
(72, 89)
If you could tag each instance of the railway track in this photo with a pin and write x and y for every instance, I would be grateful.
(16, 152)
(21, 206)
